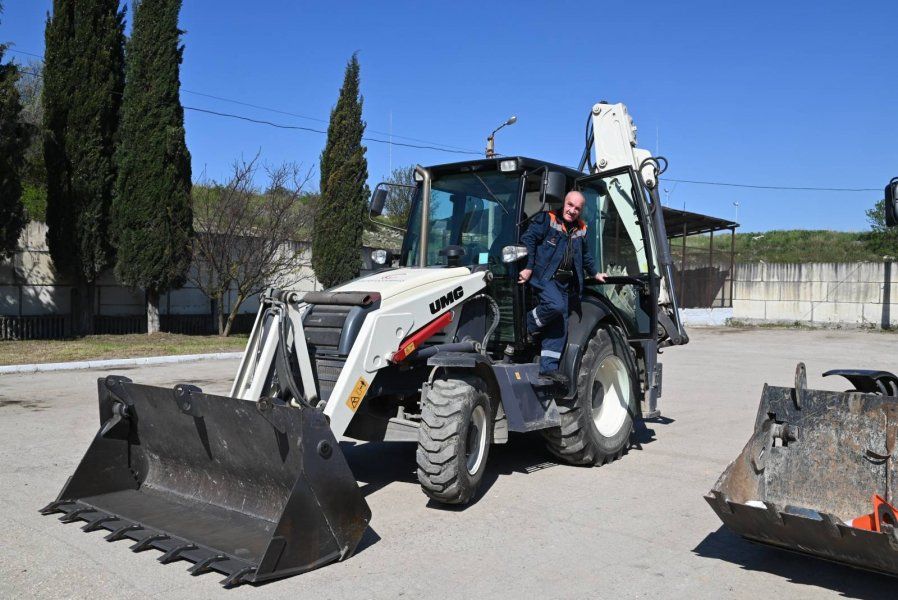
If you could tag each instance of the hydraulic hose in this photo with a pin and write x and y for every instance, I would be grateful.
(492, 328)
(679, 336)
(282, 359)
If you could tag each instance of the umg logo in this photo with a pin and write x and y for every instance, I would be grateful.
(444, 301)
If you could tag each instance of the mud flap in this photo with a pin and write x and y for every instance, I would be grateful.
(810, 468)
(249, 489)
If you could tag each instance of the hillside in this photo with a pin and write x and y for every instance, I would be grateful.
(785, 246)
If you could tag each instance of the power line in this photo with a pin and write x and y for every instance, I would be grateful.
(317, 120)
(25, 53)
(447, 149)
(312, 129)
(429, 143)
(773, 187)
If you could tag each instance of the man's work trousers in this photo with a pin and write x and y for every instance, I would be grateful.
(550, 317)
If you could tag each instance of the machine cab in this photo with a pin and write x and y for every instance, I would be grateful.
(471, 212)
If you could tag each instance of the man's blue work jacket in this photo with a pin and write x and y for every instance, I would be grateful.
(546, 239)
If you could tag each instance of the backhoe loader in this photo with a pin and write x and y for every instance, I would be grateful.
(818, 475)
(431, 348)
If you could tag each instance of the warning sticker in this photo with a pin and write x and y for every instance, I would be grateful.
(357, 393)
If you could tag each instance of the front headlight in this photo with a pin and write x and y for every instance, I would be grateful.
(512, 254)
(380, 257)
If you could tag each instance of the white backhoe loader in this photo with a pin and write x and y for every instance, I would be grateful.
(432, 350)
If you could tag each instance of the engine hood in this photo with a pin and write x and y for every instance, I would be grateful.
(397, 281)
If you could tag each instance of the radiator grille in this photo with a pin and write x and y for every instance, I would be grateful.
(323, 326)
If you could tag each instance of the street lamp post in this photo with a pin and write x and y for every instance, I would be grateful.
(490, 141)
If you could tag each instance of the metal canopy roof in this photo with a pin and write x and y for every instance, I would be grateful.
(694, 223)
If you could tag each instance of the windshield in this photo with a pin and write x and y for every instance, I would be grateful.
(473, 210)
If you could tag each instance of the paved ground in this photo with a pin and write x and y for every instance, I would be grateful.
(638, 528)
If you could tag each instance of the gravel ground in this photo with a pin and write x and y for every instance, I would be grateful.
(637, 528)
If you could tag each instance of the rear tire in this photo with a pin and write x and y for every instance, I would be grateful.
(454, 438)
(597, 423)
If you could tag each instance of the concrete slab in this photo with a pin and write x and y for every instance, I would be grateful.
(637, 528)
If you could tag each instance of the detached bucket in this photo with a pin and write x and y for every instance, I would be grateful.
(806, 479)
(248, 489)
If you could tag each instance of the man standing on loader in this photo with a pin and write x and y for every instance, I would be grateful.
(557, 258)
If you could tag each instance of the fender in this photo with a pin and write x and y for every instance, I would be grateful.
(580, 327)
(481, 366)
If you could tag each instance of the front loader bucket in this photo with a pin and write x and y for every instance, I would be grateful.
(805, 480)
(252, 490)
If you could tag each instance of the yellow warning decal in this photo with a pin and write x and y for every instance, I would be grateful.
(357, 393)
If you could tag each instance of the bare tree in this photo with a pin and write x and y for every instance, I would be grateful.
(247, 240)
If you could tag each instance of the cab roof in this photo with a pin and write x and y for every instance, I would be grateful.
(524, 163)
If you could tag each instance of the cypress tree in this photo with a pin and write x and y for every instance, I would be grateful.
(339, 217)
(13, 142)
(83, 81)
(151, 216)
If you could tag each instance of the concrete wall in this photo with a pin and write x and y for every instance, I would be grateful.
(29, 286)
(832, 294)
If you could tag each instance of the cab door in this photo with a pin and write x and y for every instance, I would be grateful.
(618, 236)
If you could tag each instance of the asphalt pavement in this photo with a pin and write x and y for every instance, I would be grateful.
(638, 528)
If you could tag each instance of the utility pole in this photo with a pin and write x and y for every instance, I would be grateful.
(490, 141)
(736, 204)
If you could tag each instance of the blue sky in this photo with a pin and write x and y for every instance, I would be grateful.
(767, 93)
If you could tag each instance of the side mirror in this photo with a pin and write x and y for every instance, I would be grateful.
(511, 254)
(378, 200)
(556, 184)
(892, 203)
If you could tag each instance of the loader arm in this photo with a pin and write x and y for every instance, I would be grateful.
(611, 140)
(394, 319)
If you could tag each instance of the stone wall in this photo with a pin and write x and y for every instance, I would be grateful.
(831, 294)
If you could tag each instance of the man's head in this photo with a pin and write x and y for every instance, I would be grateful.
(573, 206)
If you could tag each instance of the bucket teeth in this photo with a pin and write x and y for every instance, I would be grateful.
(74, 515)
(236, 579)
(175, 553)
(147, 542)
(122, 531)
(53, 507)
(203, 566)
(97, 523)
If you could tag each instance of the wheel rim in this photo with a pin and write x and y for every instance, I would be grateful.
(476, 442)
(611, 393)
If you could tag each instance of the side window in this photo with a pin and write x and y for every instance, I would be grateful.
(615, 238)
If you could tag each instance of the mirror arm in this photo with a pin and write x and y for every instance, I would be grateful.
(387, 225)
(376, 188)
(542, 192)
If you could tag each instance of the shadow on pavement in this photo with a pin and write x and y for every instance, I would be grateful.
(378, 464)
(850, 583)
(643, 434)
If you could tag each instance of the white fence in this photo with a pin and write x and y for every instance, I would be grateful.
(832, 294)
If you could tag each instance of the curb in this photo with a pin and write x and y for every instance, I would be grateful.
(116, 362)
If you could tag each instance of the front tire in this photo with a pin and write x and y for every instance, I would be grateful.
(597, 423)
(454, 438)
